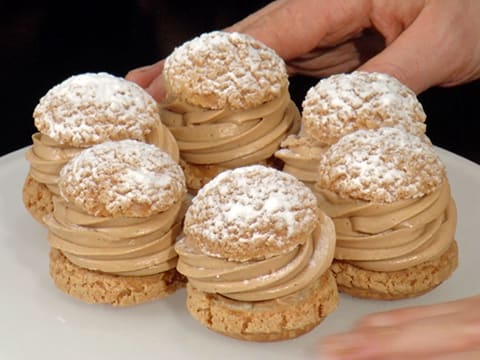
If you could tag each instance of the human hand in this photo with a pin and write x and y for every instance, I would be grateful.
(448, 331)
(421, 42)
(150, 78)
(426, 42)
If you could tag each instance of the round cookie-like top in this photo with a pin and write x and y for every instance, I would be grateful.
(343, 103)
(122, 178)
(220, 69)
(91, 108)
(250, 213)
(381, 165)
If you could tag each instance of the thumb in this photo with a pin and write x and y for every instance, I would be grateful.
(144, 76)
(423, 55)
(294, 27)
(407, 62)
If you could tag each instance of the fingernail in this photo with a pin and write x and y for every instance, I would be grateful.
(131, 75)
(157, 90)
(342, 347)
(144, 68)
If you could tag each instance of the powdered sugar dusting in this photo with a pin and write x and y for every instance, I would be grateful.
(343, 103)
(91, 108)
(251, 212)
(127, 178)
(220, 69)
(382, 165)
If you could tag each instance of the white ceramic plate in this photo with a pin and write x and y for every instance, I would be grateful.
(37, 321)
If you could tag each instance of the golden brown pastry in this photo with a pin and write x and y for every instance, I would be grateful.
(82, 111)
(227, 103)
(388, 194)
(115, 223)
(256, 252)
(341, 104)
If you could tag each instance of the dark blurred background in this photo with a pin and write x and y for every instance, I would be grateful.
(44, 42)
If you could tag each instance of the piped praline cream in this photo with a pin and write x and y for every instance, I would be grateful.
(343, 103)
(89, 109)
(389, 197)
(228, 138)
(226, 102)
(120, 209)
(254, 234)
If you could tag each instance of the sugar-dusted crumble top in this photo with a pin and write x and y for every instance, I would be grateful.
(251, 212)
(382, 165)
(122, 178)
(91, 108)
(221, 69)
(343, 103)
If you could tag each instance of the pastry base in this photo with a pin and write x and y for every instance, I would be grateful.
(37, 198)
(284, 318)
(95, 287)
(408, 283)
(198, 175)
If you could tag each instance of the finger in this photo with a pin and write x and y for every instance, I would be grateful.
(342, 66)
(466, 355)
(145, 75)
(452, 333)
(342, 58)
(404, 315)
(157, 88)
(422, 56)
(463, 355)
(295, 27)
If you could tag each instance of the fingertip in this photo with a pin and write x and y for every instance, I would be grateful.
(135, 72)
(157, 88)
(145, 75)
(139, 76)
(374, 320)
(345, 346)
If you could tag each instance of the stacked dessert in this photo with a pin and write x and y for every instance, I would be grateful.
(227, 103)
(114, 225)
(341, 104)
(256, 252)
(82, 111)
(388, 194)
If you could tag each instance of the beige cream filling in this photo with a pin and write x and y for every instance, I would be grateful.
(230, 138)
(47, 157)
(117, 245)
(266, 279)
(390, 237)
(301, 161)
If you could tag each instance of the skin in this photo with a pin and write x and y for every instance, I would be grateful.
(423, 43)
(447, 331)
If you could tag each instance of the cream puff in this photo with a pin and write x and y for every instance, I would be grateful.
(227, 103)
(388, 194)
(256, 252)
(79, 112)
(114, 225)
(342, 103)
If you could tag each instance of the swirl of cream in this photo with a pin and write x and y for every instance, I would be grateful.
(230, 138)
(117, 245)
(47, 156)
(393, 236)
(301, 155)
(265, 279)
